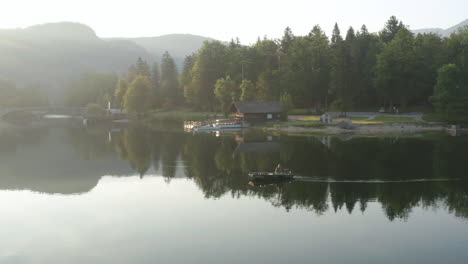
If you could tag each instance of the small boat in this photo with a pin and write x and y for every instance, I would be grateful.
(262, 183)
(228, 124)
(286, 175)
(214, 125)
(205, 129)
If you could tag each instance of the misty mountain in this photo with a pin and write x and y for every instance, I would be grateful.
(178, 45)
(50, 55)
(440, 31)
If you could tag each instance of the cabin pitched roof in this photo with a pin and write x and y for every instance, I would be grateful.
(253, 107)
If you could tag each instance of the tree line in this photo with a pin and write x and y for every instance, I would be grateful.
(13, 96)
(390, 68)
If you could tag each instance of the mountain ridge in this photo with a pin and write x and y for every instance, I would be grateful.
(443, 32)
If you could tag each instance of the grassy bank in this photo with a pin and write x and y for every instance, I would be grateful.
(20, 117)
(389, 120)
(449, 119)
(299, 123)
(181, 115)
(313, 122)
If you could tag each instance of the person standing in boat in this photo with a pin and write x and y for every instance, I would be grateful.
(279, 169)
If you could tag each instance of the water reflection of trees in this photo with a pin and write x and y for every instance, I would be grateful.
(10, 139)
(219, 166)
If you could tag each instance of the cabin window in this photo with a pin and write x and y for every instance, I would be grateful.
(269, 116)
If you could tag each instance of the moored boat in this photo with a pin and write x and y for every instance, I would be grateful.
(205, 128)
(214, 125)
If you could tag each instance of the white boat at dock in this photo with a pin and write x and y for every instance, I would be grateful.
(214, 125)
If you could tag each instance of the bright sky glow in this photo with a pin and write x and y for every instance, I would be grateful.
(246, 19)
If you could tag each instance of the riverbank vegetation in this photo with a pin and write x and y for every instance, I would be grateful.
(181, 115)
(12, 96)
(393, 68)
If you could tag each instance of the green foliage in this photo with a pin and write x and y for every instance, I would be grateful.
(451, 94)
(92, 88)
(186, 80)
(343, 71)
(248, 91)
(11, 96)
(171, 94)
(394, 119)
(138, 96)
(364, 52)
(395, 70)
(268, 86)
(286, 103)
(180, 115)
(361, 71)
(95, 110)
(287, 40)
(304, 124)
(392, 26)
(120, 92)
(138, 152)
(141, 67)
(210, 65)
(300, 111)
(156, 100)
(226, 92)
(19, 117)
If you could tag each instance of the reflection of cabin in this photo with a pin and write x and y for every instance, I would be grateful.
(256, 111)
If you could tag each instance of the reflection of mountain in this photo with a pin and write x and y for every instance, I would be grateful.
(51, 165)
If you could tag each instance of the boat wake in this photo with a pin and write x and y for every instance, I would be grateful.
(329, 180)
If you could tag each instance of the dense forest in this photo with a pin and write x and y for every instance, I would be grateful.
(360, 71)
(352, 70)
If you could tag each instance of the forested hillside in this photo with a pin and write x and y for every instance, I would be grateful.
(347, 70)
(361, 70)
(49, 56)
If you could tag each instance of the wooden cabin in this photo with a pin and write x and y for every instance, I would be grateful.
(256, 111)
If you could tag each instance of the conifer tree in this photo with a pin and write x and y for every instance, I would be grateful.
(138, 96)
(155, 86)
(392, 26)
(170, 90)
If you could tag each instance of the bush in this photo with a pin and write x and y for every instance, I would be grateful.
(95, 110)
(20, 117)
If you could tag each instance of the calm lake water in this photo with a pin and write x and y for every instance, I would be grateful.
(130, 195)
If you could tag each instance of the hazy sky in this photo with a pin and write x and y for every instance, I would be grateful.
(246, 19)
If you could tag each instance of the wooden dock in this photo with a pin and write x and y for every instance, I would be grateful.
(456, 130)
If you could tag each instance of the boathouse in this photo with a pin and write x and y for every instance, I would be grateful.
(256, 111)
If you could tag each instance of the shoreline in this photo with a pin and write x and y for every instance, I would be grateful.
(364, 129)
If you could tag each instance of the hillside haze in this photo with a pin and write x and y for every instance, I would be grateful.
(49, 56)
(178, 45)
(442, 32)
